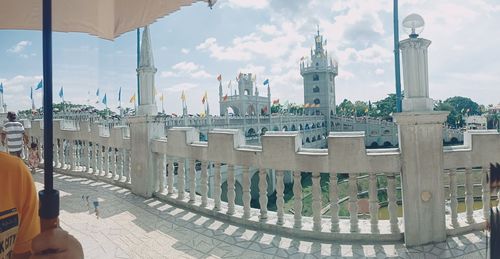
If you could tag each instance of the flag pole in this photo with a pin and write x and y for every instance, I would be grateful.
(396, 58)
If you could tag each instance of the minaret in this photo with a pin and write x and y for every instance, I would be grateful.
(146, 72)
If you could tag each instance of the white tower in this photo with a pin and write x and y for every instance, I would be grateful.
(146, 72)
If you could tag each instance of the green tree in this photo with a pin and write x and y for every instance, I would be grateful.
(345, 108)
(384, 107)
(361, 108)
(276, 108)
(459, 107)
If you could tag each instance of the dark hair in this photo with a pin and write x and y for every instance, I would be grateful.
(11, 116)
(34, 145)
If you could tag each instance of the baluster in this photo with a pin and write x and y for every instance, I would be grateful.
(85, 156)
(204, 183)
(486, 192)
(126, 165)
(280, 201)
(119, 164)
(114, 166)
(353, 202)
(162, 172)
(393, 206)
(55, 153)
(453, 198)
(373, 203)
(180, 179)
(170, 177)
(231, 194)
(98, 160)
(263, 193)
(192, 180)
(61, 153)
(72, 154)
(469, 200)
(334, 203)
(93, 159)
(297, 199)
(106, 161)
(246, 192)
(217, 186)
(316, 203)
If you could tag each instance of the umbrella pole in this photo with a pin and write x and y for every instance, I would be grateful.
(49, 198)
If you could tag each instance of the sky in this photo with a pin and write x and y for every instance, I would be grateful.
(268, 38)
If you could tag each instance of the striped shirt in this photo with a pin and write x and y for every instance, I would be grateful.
(14, 132)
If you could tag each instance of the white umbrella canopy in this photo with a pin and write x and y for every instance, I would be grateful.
(106, 19)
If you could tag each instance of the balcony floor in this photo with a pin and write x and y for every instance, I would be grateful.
(130, 226)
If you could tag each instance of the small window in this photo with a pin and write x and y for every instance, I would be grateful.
(315, 77)
(316, 89)
(316, 101)
(317, 64)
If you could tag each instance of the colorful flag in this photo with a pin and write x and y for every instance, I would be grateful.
(105, 100)
(132, 99)
(120, 94)
(219, 77)
(277, 101)
(61, 93)
(264, 109)
(39, 85)
(225, 97)
(266, 82)
(183, 96)
(1, 88)
(204, 99)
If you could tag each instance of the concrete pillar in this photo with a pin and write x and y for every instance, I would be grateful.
(415, 75)
(143, 130)
(421, 147)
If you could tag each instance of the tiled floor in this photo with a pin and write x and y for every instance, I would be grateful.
(133, 227)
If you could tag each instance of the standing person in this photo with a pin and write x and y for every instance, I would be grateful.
(34, 157)
(13, 132)
(20, 235)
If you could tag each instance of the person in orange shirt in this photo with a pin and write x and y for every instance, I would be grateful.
(20, 235)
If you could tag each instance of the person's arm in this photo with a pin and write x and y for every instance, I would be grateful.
(59, 243)
(29, 222)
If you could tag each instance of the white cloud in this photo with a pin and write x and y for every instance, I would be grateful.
(184, 51)
(186, 69)
(181, 87)
(20, 46)
(254, 4)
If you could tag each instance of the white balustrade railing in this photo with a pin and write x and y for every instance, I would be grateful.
(466, 180)
(233, 181)
(242, 178)
(82, 150)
